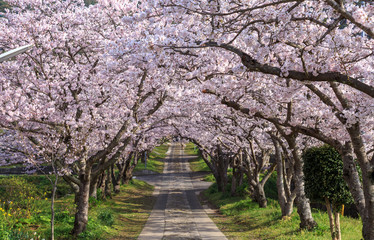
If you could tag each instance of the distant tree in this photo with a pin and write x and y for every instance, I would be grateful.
(323, 169)
(3, 5)
(88, 2)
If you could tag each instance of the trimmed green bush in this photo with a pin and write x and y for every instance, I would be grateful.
(323, 169)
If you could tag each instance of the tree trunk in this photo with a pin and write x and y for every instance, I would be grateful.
(81, 216)
(303, 205)
(237, 173)
(220, 186)
(74, 187)
(233, 182)
(93, 187)
(259, 195)
(351, 177)
(367, 168)
(241, 176)
(128, 173)
(222, 172)
(102, 185)
(127, 177)
(108, 192)
(53, 197)
(130, 166)
(120, 177)
(288, 208)
(221, 162)
(338, 234)
(282, 199)
(368, 222)
(218, 170)
(115, 182)
(331, 219)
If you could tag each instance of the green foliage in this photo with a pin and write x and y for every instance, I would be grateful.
(270, 187)
(33, 221)
(196, 164)
(90, 2)
(17, 193)
(210, 178)
(213, 188)
(323, 169)
(18, 234)
(191, 149)
(43, 184)
(106, 217)
(242, 190)
(93, 202)
(153, 159)
(243, 219)
(62, 216)
(152, 165)
(159, 152)
(3, 6)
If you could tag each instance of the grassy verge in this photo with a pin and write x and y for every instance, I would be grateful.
(25, 207)
(121, 217)
(153, 162)
(241, 218)
(196, 164)
(28, 214)
(130, 208)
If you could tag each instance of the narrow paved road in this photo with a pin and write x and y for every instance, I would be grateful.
(177, 213)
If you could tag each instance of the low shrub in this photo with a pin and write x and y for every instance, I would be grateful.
(106, 217)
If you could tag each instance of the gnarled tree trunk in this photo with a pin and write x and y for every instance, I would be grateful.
(303, 205)
(81, 215)
(256, 165)
(129, 167)
(259, 195)
(285, 196)
(218, 163)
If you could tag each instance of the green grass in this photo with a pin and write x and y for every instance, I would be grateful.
(12, 166)
(42, 183)
(196, 164)
(159, 151)
(153, 162)
(152, 165)
(190, 149)
(130, 209)
(241, 218)
(122, 217)
(128, 212)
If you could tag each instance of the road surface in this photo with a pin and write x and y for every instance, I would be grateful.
(177, 213)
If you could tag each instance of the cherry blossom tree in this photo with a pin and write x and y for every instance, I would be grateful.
(325, 45)
(88, 85)
(110, 79)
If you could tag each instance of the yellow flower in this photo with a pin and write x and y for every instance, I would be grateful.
(46, 198)
(9, 214)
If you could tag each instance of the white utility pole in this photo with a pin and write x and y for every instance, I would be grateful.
(12, 53)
